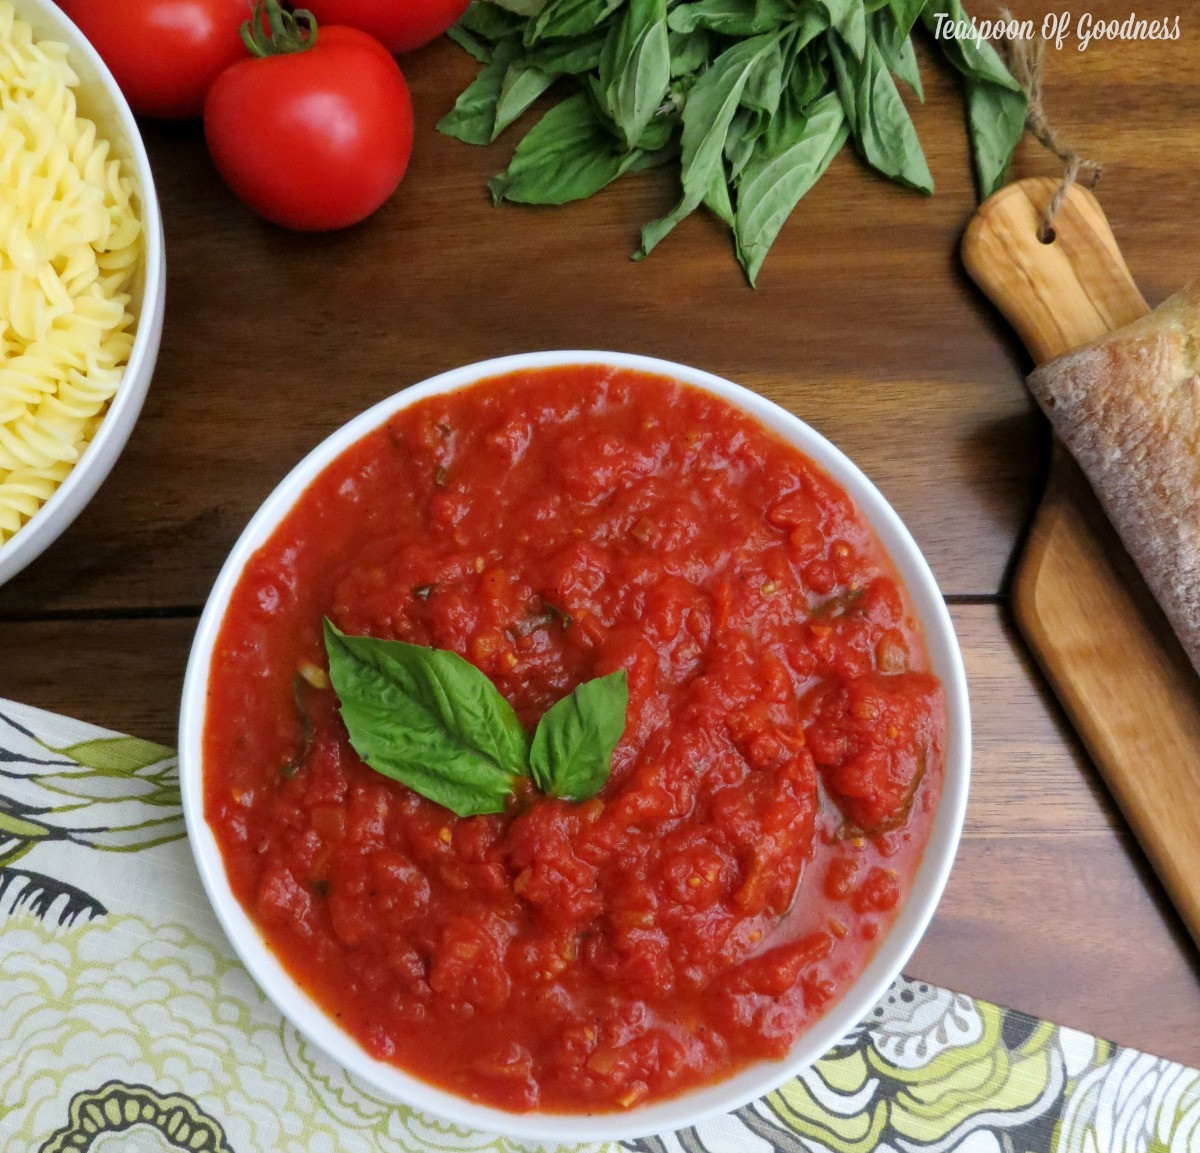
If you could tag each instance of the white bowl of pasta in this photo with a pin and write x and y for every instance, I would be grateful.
(82, 276)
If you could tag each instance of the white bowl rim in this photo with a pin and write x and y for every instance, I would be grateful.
(698, 1105)
(67, 501)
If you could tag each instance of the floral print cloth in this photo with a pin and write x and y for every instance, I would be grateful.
(127, 1024)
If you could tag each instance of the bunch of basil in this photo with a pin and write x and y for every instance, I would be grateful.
(755, 97)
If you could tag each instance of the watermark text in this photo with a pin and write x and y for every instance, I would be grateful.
(1057, 28)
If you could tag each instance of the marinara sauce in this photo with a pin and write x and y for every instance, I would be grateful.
(768, 803)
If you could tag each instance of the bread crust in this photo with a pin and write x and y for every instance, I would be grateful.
(1128, 408)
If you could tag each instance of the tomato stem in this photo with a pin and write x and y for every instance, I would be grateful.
(273, 31)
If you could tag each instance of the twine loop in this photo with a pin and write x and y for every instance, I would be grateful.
(1025, 59)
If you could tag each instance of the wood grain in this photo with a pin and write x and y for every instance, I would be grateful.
(1114, 662)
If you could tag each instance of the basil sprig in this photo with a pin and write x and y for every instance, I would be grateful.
(755, 98)
(573, 744)
(431, 720)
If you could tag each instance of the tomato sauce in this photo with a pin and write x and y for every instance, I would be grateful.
(768, 803)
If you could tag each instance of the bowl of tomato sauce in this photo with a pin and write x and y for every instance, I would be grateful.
(772, 829)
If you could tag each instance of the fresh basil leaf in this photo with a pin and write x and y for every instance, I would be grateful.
(731, 17)
(521, 87)
(571, 755)
(689, 51)
(996, 117)
(654, 158)
(776, 179)
(809, 80)
(812, 23)
(489, 21)
(724, 84)
(764, 81)
(429, 719)
(473, 117)
(521, 7)
(744, 130)
(478, 47)
(710, 108)
(716, 197)
(687, 18)
(882, 128)
(905, 13)
(602, 103)
(996, 104)
(848, 18)
(658, 135)
(568, 57)
(567, 155)
(635, 67)
(897, 49)
(662, 133)
(562, 18)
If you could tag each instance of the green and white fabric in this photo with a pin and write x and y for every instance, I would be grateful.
(127, 1024)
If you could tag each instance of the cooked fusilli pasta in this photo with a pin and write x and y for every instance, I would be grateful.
(70, 245)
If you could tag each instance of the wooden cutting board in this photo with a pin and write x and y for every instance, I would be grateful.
(1080, 603)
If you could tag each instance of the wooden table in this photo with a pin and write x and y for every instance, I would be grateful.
(864, 325)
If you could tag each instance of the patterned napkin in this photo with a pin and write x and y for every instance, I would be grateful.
(127, 1024)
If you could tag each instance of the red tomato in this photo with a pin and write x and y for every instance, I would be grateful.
(316, 139)
(400, 25)
(165, 54)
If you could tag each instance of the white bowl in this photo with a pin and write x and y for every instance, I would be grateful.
(100, 100)
(752, 1082)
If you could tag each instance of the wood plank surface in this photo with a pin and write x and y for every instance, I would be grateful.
(1049, 908)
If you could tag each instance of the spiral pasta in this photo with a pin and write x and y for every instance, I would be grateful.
(70, 245)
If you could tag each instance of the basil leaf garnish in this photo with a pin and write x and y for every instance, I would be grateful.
(431, 720)
(572, 748)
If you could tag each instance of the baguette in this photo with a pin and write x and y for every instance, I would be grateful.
(1127, 406)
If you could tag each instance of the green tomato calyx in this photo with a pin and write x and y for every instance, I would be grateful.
(273, 31)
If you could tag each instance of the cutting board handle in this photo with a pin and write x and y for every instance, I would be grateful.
(1056, 295)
